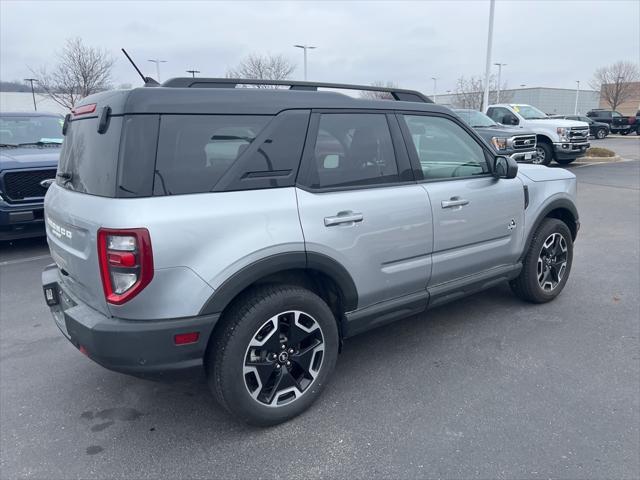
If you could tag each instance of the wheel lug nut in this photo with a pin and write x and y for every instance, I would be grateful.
(291, 350)
(278, 366)
(288, 364)
(283, 346)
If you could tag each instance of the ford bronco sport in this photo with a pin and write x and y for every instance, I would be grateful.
(250, 231)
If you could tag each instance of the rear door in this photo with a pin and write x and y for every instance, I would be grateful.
(359, 204)
(477, 219)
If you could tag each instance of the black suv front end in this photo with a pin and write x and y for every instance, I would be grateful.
(29, 152)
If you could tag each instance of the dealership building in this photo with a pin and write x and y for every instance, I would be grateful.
(554, 101)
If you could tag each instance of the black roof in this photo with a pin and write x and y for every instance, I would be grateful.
(187, 97)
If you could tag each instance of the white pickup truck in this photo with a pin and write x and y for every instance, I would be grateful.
(557, 139)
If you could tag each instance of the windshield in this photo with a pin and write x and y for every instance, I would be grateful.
(475, 118)
(30, 130)
(529, 112)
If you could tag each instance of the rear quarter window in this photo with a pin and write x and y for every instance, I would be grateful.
(195, 151)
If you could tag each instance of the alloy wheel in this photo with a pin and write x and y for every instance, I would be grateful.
(552, 262)
(541, 155)
(283, 358)
(600, 134)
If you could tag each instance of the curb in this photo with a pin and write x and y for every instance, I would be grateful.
(615, 158)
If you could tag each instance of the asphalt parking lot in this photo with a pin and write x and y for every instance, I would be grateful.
(487, 387)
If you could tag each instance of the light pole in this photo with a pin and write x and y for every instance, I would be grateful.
(157, 61)
(487, 70)
(305, 48)
(575, 109)
(435, 83)
(33, 94)
(193, 73)
(500, 65)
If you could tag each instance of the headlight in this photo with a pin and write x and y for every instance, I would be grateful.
(499, 142)
(563, 133)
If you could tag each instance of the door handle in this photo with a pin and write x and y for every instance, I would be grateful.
(454, 202)
(343, 217)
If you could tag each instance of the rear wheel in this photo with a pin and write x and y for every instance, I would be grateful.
(565, 161)
(601, 133)
(547, 264)
(273, 354)
(544, 155)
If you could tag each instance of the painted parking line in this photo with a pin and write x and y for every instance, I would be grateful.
(23, 260)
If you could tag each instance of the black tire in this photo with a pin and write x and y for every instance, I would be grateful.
(230, 351)
(544, 154)
(601, 133)
(527, 285)
(624, 132)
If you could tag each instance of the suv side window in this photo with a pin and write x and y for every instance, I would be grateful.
(616, 114)
(352, 149)
(444, 149)
(194, 151)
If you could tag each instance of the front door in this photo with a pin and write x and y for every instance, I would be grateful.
(477, 218)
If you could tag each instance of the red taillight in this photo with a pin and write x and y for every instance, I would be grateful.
(126, 262)
(186, 338)
(84, 109)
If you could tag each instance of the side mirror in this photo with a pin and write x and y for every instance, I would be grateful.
(505, 167)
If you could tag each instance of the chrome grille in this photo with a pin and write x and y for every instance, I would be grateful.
(579, 134)
(524, 142)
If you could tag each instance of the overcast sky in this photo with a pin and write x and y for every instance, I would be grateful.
(544, 43)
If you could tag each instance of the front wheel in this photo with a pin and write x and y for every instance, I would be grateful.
(544, 155)
(601, 133)
(565, 161)
(273, 354)
(547, 264)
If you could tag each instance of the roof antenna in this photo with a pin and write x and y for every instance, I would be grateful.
(148, 81)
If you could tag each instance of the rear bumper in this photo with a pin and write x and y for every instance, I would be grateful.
(21, 221)
(570, 150)
(135, 347)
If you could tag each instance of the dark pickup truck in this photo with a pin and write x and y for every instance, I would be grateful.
(617, 122)
(29, 152)
(516, 143)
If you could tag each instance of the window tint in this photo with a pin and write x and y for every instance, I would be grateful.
(272, 159)
(194, 151)
(88, 160)
(352, 149)
(498, 113)
(444, 149)
(615, 114)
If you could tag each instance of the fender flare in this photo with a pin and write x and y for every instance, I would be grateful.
(563, 203)
(280, 262)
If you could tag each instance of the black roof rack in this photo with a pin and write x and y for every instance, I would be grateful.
(189, 82)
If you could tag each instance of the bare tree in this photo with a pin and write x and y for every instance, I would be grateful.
(614, 82)
(375, 95)
(80, 71)
(469, 92)
(263, 67)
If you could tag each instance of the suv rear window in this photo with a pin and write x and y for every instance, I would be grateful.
(89, 160)
(194, 151)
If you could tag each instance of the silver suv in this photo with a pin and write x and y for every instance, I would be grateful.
(250, 231)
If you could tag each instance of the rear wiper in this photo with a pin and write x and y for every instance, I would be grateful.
(39, 143)
(67, 177)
